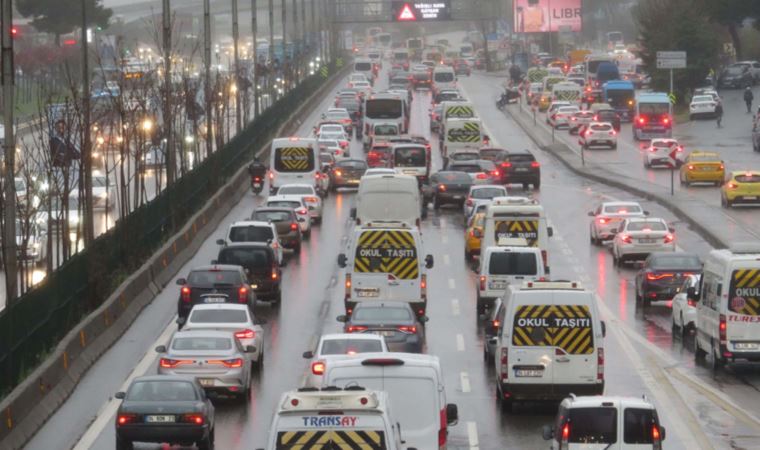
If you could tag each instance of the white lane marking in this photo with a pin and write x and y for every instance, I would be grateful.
(472, 435)
(112, 405)
(455, 306)
(444, 238)
(452, 284)
(558, 238)
(464, 380)
(566, 251)
(446, 260)
(460, 342)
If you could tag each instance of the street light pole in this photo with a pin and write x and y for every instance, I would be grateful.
(89, 226)
(284, 44)
(9, 148)
(236, 55)
(254, 31)
(168, 116)
(293, 62)
(207, 84)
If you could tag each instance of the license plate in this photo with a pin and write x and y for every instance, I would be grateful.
(746, 345)
(497, 285)
(646, 241)
(373, 292)
(410, 172)
(529, 373)
(384, 333)
(706, 169)
(214, 299)
(206, 382)
(752, 197)
(160, 419)
(521, 169)
(457, 197)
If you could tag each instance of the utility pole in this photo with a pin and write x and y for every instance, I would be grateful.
(270, 72)
(294, 59)
(89, 226)
(320, 27)
(313, 30)
(254, 30)
(303, 34)
(168, 116)
(9, 148)
(207, 84)
(284, 18)
(236, 78)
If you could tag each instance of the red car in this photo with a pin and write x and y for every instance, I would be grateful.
(379, 155)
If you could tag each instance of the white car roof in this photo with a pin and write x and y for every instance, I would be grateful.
(209, 306)
(251, 223)
(605, 204)
(646, 219)
(301, 185)
(617, 401)
(352, 336)
(285, 198)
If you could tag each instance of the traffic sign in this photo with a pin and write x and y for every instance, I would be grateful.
(672, 97)
(671, 55)
(420, 11)
(672, 157)
(406, 14)
(671, 60)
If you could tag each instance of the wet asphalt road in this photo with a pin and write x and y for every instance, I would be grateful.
(642, 356)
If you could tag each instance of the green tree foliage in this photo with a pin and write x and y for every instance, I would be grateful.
(62, 16)
(691, 33)
(731, 14)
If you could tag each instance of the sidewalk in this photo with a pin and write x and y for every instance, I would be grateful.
(700, 216)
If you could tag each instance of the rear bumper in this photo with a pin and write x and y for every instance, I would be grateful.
(746, 199)
(449, 199)
(419, 307)
(653, 292)
(174, 433)
(548, 391)
(526, 177)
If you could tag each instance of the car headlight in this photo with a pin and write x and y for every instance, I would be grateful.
(103, 195)
(36, 245)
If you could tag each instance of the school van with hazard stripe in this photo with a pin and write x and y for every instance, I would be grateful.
(462, 133)
(517, 218)
(384, 262)
(551, 343)
(351, 418)
(728, 305)
(293, 160)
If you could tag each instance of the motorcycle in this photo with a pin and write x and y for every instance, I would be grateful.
(501, 102)
(257, 184)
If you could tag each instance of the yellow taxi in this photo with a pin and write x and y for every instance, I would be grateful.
(741, 187)
(474, 235)
(544, 101)
(702, 167)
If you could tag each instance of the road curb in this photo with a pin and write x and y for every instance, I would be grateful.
(36, 399)
(570, 159)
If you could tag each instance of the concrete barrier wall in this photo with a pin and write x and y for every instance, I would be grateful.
(33, 401)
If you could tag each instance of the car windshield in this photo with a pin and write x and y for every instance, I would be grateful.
(363, 66)
(622, 209)
(488, 193)
(337, 115)
(410, 157)
(664, 144)
(736, 70)
(646, 226)
(752, 178)
(467, 168)
(251, 233)
(386, 130)
(352, 164)
(350, 346)
(601, 127)
(669, 261)
(443, 77)
(490, 154)
(453, 177)
(702, 98)
(513, 263)
(274, 216)
(248, 257)
(207, 278)
(161, 391)
(201, 343)
(704, 157)
(332, 129)
(521, 158)
(592, 425)
(373, 314)
(218, 316)
(296, 190)
(637, 425)
(284, 204)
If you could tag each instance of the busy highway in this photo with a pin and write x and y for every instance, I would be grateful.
(699, 405)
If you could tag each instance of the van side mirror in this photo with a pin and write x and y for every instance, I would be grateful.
(662, 433)
(646, 213)
(250, 349)
(604, 329)
(120, 395)
(216, 261)
(692, 293)
(548, 432)
(161, 349)
(429, 262)
(181, 281)
(342, 260)
(452, 414)
(342, 318)
(221, 242)
(308, 355)
(550, 231)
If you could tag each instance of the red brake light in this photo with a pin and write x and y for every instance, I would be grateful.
(669, 238)
(600, 363)
(185, 292)
(355, 328)
(495, 173)
(603, 220)
(293, 226)
(658, 276)
(642, 120)
(442, 433)
(690, 167)
(124, 419)
(691, 302)
(243, 295)
(302, 211)
(442, 187)
(310, 199)
(566, 432)
(481, 176)
(195, 419)
(504, 369)
(318, 368)
(482, 282)
(626, 238)
(338, 173)
(229, 363)
(665, 120)
(245, 334)
(506, 164)
(408, 329)
(274, 275)
(655, 433)
(732, 185)
(535, 164)
(168, 363)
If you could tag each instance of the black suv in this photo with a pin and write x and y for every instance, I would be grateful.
(736, 76)
(259, 263)
(521, 167)
(662, 274)
(608, 115)
(217, 283)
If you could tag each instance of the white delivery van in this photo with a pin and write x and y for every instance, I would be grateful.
(550, 344)
(728, 307)
(461, 134)
(293, 160)
(567, 91)
(384, 262)
(517, 217)
(444, 78)
(388, 197)
(385, 108)
(336, 418)
(416, 389)
(506, 265)
(411, 159)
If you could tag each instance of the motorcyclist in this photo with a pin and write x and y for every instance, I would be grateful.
(257, 168)
(748, 98)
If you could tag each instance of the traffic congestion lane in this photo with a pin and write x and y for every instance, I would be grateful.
(108, 374)
(616, 286)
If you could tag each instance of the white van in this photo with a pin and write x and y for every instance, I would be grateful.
(444, 78)
(416, 389)
(293, 160)
(605, 422)
(389, 197)
(354, 417)
(364, 66)
(728, 307)
(411, 159)
(503, 266)
(517, 217)
(384, 261)
(550, 344)
(254, 231)
(461, 134)
(567, 91)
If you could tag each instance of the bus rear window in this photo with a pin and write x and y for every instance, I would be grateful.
(363, 66)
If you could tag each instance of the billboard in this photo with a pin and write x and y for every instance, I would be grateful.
(540, 16)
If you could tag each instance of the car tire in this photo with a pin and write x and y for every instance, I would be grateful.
(698, 352)
(208, 443)
(613, 146)
(318, 220)
(467, 255)
(277, 298)
(436, 204)
(122, 444)
(526, 186)
(507, 404)
(684, 182)
(307, 234)
(717, 360)
(646, 164)
(537, 185)
(297, 249)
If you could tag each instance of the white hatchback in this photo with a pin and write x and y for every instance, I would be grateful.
(229, 317)
(481, 194)
(598, 134)
(309, 195)
(684, 305)
(638, 237)
(659, 150)
(561, 117)
(296, 203)
(338, 346)
(607, 217)
(702, 105)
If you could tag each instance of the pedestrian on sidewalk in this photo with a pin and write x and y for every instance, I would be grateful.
(719, 113)
(748, 98)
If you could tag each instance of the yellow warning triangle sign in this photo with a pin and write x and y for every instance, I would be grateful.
(406, 13)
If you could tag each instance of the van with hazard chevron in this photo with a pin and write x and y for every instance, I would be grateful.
(384, 262)
(293, 160)
(551, 343)
(309, 418)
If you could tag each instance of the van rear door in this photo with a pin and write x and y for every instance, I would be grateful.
(341, 429)
(531, 357)
(572, 335)
(512, 267)
(743, 311)
(386, 265)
